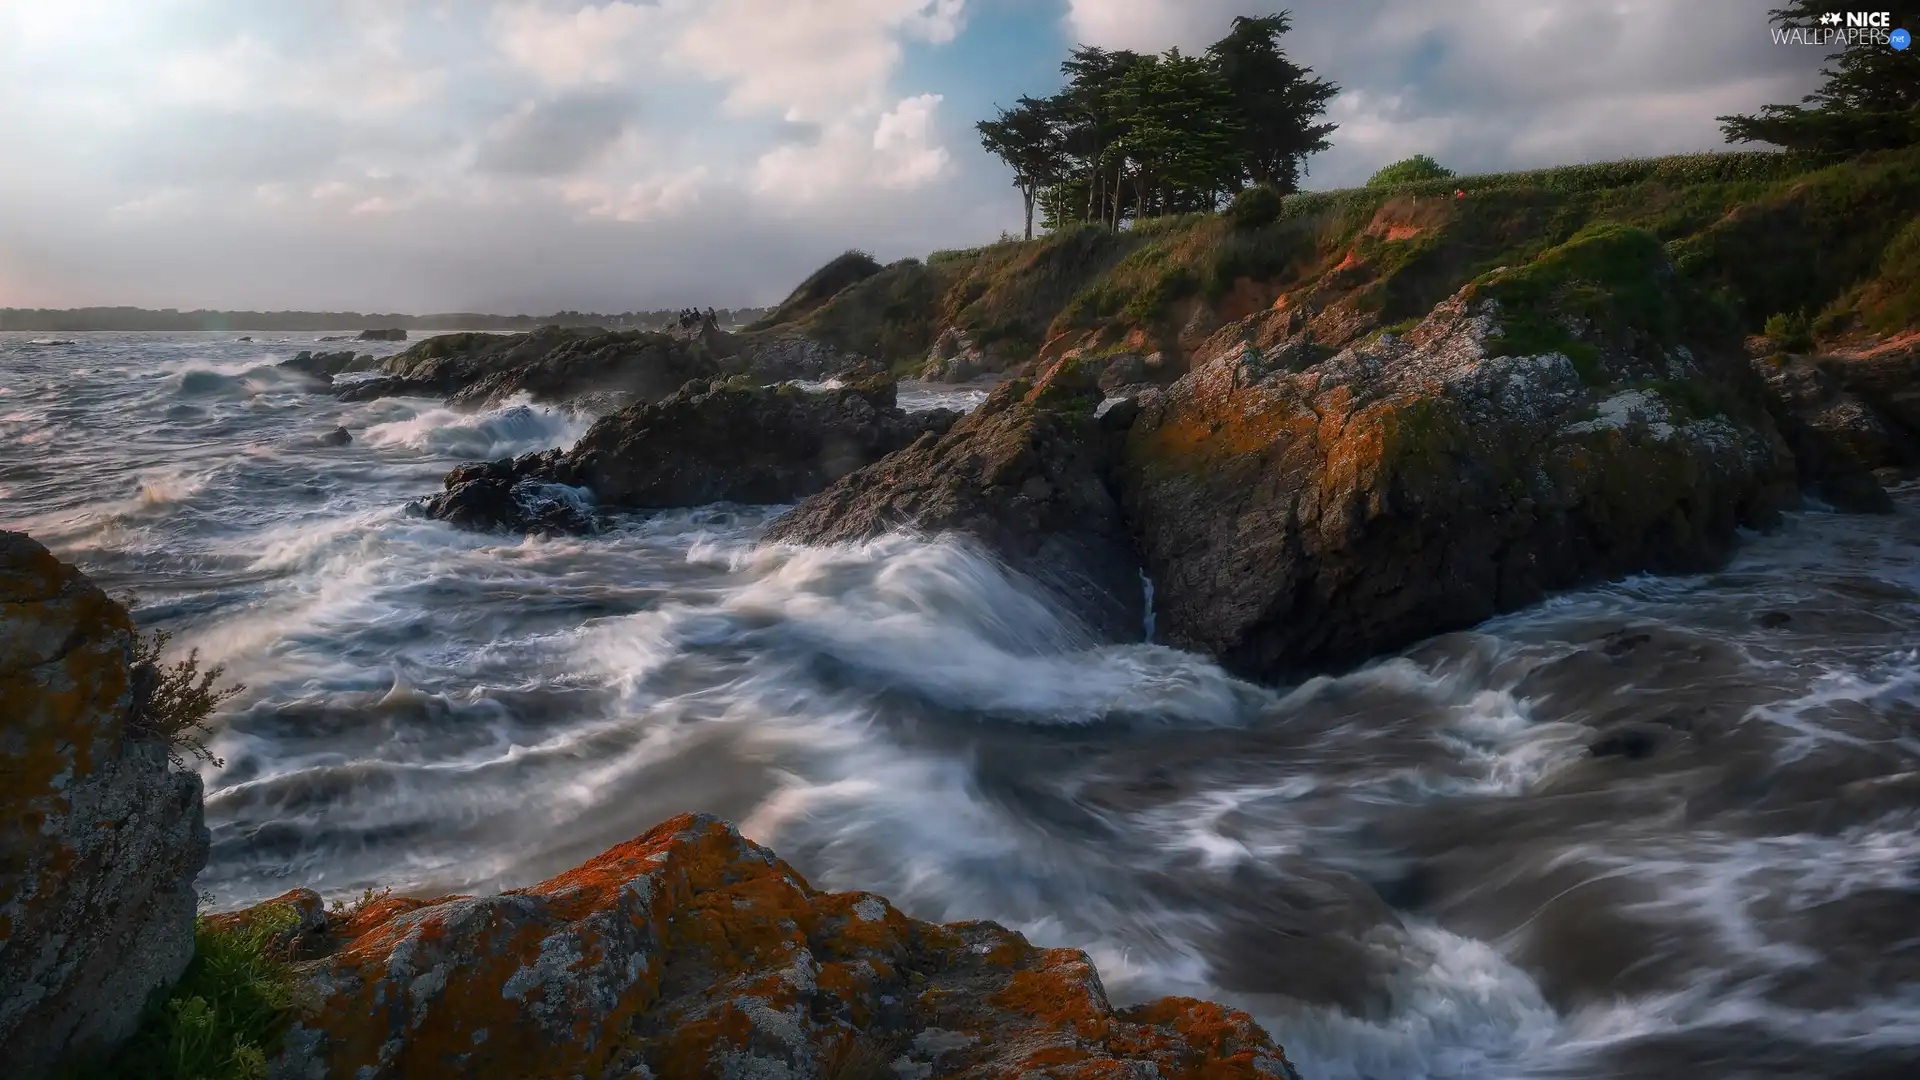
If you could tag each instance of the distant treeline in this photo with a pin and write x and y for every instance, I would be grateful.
(130, 318)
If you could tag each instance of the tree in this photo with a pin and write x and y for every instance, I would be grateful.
(1179, 133)
(1869, 101)
(1412, 170)
(1026, 139)
(1279, 102)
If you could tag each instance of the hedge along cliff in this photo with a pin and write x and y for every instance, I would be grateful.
(100, 839)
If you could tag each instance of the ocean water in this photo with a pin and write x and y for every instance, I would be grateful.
(1417, 869)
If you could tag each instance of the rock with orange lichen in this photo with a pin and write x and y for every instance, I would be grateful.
(692, 952)
(1566, 421)
(99, 838)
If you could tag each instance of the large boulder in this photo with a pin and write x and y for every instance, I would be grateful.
(1838, 441)
(1028, 475)
(692, 952)
(325, 365)
(392, 333)
(721, 441)
(553, 364)
(1886, 377)
(100, 839)
(1581, 417)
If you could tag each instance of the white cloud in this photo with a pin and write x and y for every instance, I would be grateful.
(640, 200)
(809, 60)
(895, 151)
(573, 48)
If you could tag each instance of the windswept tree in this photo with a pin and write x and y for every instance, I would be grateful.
(1134, 135)
(1280, 103)
(1869, 101)
(1027, 138)
(1179, 134)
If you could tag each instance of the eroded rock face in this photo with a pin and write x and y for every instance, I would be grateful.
(1299, 512)
(1838, 440)
(1028, 475)
(691, 952)
(550, 364)
(100, 838)
(1886, 378)
(710, 442)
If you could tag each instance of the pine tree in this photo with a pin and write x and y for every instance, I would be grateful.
(1869, 101)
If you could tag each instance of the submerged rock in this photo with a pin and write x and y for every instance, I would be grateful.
(102, 837)
(513, 495)
(721, 441)
(1026, 474)
(691, 952)
(1546, 427)
(339, 436)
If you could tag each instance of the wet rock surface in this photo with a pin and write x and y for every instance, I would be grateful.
(720, 441)
(692, 952)
(102, 839)
(1028, 475)
(1299, 511)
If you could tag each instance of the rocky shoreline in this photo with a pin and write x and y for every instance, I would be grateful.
(688, 951)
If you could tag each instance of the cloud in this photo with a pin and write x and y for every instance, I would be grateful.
(387, 154)
(557, 136)
(592, 44)
(898, 150)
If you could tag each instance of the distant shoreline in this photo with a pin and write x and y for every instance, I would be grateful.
(83, 320)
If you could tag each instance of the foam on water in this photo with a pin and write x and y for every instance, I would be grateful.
(437, 710)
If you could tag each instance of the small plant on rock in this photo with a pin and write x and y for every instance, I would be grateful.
(1791, 332)
(172, 702)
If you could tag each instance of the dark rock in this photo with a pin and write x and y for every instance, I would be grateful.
(390, 334)
(1027, 475)
(323, 366)
(715, 440)
(1299, 512)
(337, 437)
(549, 364)
(1633, 741)
(744, 444)
(516, 495)
(1773, 620)
(1886, 378)
(1838, 441)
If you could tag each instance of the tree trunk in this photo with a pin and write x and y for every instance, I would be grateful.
(1027, 193)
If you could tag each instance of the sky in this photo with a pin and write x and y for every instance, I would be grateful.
(541, 155)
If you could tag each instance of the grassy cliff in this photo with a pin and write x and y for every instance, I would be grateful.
(1760, 234)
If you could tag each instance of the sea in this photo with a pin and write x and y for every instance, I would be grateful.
(1662, 827)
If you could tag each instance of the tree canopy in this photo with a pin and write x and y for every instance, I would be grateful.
(1133, 135)
(1869, 101)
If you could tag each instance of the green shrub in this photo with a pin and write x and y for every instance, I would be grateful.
(1256, 207)
(223, 1020)
(1410, 171)
(178, 700)
(1791, 332)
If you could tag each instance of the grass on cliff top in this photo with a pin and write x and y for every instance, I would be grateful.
(223, 1020)
(1760, 232)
